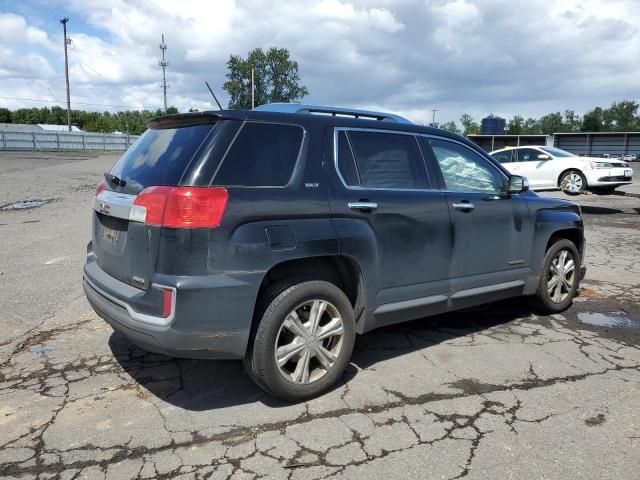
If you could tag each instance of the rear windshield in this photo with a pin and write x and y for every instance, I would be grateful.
(159, 157)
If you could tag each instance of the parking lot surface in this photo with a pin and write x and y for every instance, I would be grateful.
(490, 392)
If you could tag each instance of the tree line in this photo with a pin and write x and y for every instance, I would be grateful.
(621, 116)
(132, 122)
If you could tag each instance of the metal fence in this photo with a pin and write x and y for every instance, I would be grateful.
(17, 140)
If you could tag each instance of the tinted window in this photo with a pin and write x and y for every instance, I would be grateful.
(502, 157)
(159, 157)
(527, 155)
(386, 160)
(263, 154)
(346, 162)
(464, 170)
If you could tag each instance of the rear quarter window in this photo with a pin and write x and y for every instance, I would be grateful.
(262, 155)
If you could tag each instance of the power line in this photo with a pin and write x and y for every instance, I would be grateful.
(135, 107)
(104, 78)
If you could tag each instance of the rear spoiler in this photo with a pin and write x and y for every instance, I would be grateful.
(183, 120)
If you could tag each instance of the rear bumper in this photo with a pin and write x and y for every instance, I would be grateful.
(212, 317)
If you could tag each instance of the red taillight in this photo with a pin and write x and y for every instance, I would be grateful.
(100, 186)
(183, 207)
(167, 302)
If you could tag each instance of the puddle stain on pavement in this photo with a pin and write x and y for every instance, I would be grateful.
(609, 319)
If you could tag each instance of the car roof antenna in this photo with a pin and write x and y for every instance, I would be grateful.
(213, 95)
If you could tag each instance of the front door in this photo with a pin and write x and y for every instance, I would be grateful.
(538, 171)
(392, 219)
(491, 230)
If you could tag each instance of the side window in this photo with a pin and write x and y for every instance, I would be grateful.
(263, 154)
(387, 160)
(346, 162)
(464, 170)
(527, 155)
(503, 157)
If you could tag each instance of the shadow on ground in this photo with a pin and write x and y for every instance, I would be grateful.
(199, 385)
(590, 210)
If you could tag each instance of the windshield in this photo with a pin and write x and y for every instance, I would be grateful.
(556, 152)
(159, 157)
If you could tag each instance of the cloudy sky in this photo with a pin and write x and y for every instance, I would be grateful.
(506, 57)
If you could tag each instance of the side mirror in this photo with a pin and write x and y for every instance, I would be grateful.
(544, 156)
(518, 184)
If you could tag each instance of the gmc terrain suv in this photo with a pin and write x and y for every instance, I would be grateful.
(275, 235)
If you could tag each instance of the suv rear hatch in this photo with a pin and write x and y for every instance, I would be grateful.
(149, 178)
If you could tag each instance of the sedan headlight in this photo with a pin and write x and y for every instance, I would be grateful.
(598, 165)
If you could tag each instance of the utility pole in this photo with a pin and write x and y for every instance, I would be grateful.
(433, 118)
(67, 41)
(164, 63)
(253, 90)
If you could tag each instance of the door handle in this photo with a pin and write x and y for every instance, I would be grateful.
(362, 205)
(465, 206)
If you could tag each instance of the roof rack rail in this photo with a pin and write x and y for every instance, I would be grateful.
(335, 111)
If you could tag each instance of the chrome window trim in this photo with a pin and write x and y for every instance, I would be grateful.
(142, 317)
(296, 165)
(336, 133)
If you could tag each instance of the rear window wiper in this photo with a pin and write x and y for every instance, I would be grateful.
(115, 180)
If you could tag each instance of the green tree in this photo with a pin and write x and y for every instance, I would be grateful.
(592, 120)
(531, 126)
(621, 116)
(451, 127)
(5, 115)
(551, 123)
(516, 125)
(571, 121)
(469, 125)
(276, 78)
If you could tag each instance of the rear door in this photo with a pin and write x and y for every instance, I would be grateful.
(491, 230)
(127, 249)
(389, 214)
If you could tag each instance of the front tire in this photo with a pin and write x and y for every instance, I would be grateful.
(303, 342)
(573, 182)
(559, 278)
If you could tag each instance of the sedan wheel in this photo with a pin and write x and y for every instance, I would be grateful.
(573, 183)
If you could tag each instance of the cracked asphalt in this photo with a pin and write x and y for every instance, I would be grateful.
(490, 392)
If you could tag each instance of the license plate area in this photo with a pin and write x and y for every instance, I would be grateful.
(111, 233)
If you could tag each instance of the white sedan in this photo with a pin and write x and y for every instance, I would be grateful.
(550, 168)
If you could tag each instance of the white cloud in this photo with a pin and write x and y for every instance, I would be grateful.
(410, 56)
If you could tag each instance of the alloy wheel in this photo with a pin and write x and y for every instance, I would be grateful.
(309, 341)
(560, 277)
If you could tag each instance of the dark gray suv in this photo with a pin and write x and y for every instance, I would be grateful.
(277, 234)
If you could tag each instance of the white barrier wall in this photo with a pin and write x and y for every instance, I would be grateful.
(16, 140)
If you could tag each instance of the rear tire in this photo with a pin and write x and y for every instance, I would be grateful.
(573, 182)
(303, 342)
(559, 278)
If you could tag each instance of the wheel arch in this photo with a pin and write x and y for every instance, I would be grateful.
(341, 270)
(571, 169)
